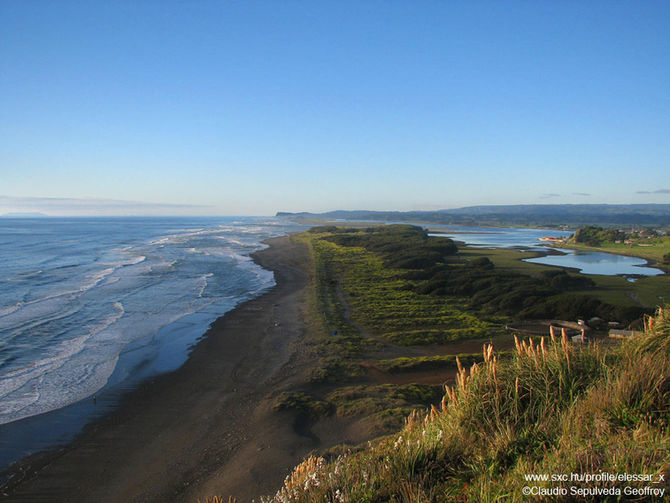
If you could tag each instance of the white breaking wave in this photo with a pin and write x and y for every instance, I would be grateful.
(62, 342)
(204, 283)
(21, 389)
(10, 309)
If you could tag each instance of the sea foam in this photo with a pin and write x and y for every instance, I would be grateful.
(76, 301)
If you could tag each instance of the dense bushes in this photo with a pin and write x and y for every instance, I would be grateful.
(558, 279)
(571, 307)
(596, 236)
(518, 295)
(401, 246)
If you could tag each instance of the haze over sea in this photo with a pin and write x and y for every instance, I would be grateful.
(76, 294)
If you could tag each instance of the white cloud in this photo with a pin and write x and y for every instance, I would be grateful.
(658, 191)
(103, 207)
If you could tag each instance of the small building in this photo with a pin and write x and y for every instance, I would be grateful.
(616, 333)
(545, 328)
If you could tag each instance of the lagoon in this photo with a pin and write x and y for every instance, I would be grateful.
(607, 264)
(586, 262)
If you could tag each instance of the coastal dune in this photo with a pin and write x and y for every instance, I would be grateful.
(206, 429)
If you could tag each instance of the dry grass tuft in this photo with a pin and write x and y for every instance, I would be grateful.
(216, 499)
(554, 407)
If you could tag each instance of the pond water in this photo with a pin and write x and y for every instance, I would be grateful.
(587, 262)
(607, 264)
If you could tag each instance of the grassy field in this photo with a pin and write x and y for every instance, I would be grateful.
(650, 291)
(508, 259)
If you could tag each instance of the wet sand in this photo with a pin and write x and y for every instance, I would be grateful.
(206, 429)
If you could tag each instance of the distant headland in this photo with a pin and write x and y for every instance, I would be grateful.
(532, 215)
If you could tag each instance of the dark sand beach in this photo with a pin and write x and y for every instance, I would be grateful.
(206, 429)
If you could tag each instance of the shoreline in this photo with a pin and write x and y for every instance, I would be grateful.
(552, 250)
(136, 364)
(650, 262)
(198, 431)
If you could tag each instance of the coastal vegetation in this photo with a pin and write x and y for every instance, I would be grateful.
(369, 325)
(396, 314)
(647, 291)
(551, 408)
(476, 284)
(409, 364)
(364, 303)
(596, 236)
(392, 306)
(645, 243)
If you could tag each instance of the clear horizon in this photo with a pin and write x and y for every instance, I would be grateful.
(218, 108)
(54, 207)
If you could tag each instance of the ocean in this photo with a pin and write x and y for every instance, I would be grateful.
(91, 304)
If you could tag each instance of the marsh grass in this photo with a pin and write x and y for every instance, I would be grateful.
(421, 363)
(302, 403)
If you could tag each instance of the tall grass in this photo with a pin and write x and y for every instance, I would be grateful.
(554, 407)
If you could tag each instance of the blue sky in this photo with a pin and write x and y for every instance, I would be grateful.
(196, 107)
